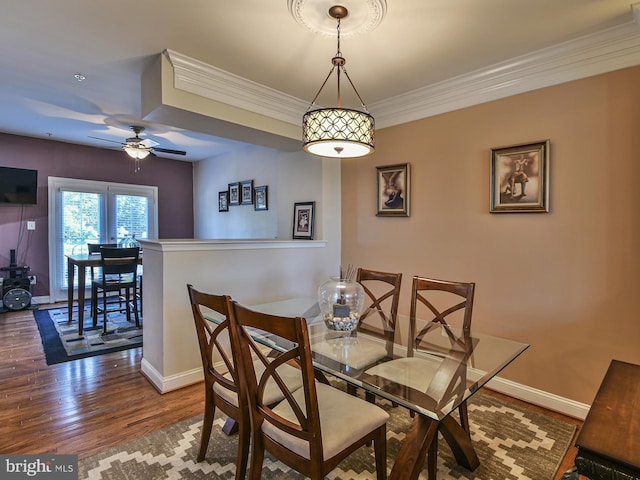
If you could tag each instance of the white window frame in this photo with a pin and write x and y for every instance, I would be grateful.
(108, 190)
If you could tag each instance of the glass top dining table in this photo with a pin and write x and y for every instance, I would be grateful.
(433, 379)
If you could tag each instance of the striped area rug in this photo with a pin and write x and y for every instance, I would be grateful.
(62, 343)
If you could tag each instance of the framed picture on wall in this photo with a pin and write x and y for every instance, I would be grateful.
(303, 218)
(393, 192)
(246, 192)
(234, 193)
(223, 201)
(261, 198)
(520, 178)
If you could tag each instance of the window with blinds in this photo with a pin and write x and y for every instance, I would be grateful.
(83, 212)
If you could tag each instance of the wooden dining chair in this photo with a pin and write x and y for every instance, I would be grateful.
(119, 267)
(443, 381)
(426, 291)
(381, 308)
(379, 318)
(94, 249)
(220, 375)
(313, 428)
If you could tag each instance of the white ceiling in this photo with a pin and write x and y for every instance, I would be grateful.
(419, 44)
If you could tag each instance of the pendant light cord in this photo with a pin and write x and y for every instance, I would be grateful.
(338, 61)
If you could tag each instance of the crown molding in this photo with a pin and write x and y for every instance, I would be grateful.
(199, 78)
(612, 49)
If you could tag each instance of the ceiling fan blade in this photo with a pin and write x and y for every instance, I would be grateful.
(167, 150)
(106, 140)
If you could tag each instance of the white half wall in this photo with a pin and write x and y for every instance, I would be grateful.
(250, 271)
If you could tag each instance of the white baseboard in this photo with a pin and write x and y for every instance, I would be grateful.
(40, 300)
(173, 382)
(532, 395)
(540, 397)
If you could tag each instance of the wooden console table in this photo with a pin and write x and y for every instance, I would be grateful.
(609, 441)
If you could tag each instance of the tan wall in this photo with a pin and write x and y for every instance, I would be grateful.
(567, 281)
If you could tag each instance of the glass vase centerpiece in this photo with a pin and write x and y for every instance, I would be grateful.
(341, 301)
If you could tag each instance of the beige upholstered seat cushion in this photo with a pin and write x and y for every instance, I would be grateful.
(413, 372)
(427, 375)
(291, 375)
(349, 351)
(343, 419)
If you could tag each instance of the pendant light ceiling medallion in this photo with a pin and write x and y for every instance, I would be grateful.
(338, 132)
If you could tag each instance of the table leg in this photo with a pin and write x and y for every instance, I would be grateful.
(460, 442)
(413, 450)
(422, 438)
(81, 275)
(71, 270)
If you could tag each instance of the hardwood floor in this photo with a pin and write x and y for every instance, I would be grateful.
(82, 407)
(88, 405)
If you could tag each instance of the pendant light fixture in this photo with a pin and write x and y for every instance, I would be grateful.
(338, 132)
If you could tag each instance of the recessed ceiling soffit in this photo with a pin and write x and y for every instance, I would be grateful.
(593, 54)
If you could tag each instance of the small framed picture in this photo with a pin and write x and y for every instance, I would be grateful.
(234, 193)
(261, 198)
(246, 192)
(223, 201)
(520, 178)
(393, 192)
(303, 217)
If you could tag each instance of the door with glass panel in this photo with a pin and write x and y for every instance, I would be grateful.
(82, 212)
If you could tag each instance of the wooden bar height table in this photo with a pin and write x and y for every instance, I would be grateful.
(80, 261)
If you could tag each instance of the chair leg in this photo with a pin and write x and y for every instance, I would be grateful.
(127, 295)
(136, 314)
(257, 459)
(207, 423)
(244, 440)
(104, 311)
(134, 305)
(380, 448)
(94, 305)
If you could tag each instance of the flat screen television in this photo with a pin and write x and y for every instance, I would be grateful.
(18, 186)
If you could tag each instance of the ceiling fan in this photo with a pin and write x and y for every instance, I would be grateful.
(139, 148)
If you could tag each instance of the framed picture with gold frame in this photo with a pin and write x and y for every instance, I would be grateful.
(520, 178)
(393, 190)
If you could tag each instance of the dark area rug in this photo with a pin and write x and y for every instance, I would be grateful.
(61, 341)
(512, 443)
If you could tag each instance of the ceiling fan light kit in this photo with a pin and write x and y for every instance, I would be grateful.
(138, 152)
(136, 148)
(338, 132)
